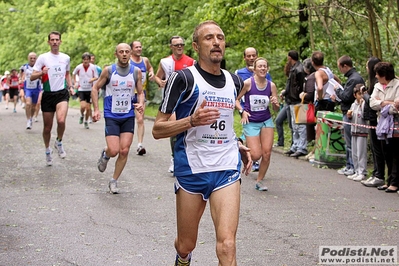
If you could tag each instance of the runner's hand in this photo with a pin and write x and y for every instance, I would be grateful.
(96, 116)
(139, 108)
(246, 158)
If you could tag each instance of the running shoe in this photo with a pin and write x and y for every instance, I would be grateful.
(102, 162)
(81, 120)
(113, 187)
(49, 158)
(36, 119)
(29, 124)
(171, 166)
(14, 110)
(373, 182)
(60, 148)
(349, 172)
(260, 186)
(141, 150)
(359, 178)
(352, 176)
(180, 262)
(86, 125)
(255, 167)
(342, 170)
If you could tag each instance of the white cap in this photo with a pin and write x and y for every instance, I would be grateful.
(7, 72)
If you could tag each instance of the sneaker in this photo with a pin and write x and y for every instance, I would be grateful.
(102, 162)
(342, 170)
(373, 182)
(113, 187)
(86, 125)
(81, 120)
(171, 166)
(255, 167)
(351, 176)
(49, 158)
(60, 148)
(277, 145)
(259, 186)
(349, 172)
(36, 119)
(29, 124)
(180, 262)
(141, 150)
(359, 178)
(14, 111)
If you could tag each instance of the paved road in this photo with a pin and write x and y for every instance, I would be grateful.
(63, 215)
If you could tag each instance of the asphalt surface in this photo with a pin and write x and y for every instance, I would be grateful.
(64, 215)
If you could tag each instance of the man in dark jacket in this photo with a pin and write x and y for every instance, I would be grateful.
(294, 87)
(345, 66)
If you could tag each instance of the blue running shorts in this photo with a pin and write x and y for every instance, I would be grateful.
(206, 183)
(32, 93)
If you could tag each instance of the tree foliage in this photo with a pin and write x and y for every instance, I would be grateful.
(358, 28)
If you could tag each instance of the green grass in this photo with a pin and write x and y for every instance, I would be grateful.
(151, 110)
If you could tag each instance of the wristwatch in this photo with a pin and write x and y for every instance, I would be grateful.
(241, 111)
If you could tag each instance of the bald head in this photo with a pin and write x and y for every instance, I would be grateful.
(122, 52)
(32, 58)
(250, 55)
(122, 46)
(250, 50)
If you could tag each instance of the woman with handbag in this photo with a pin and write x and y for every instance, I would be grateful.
(308, 96)
(256, 118)
(386, 95)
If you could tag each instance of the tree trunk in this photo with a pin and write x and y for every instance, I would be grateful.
(311, 37)
(303, 28)
(322, 19)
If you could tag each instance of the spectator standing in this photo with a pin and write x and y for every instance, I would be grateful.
(385, 100)
(377, 177)
(359, 134)
(346, 96)
(294, 87)
(284, 113)
(308, 95)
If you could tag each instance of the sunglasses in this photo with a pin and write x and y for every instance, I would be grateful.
(178, 45)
